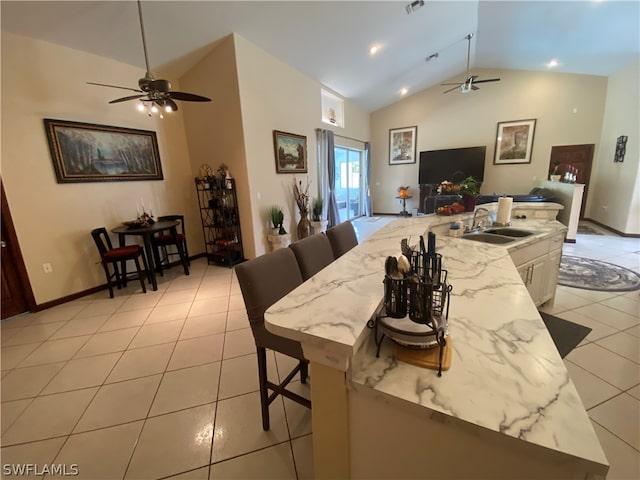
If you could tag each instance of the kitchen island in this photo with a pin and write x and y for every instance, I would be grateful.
(506, 408)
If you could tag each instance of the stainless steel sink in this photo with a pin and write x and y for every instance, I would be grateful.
(509, 232)
(488, 238)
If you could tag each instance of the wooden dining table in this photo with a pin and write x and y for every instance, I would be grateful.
(147, 232)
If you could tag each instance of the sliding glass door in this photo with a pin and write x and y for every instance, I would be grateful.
(349, 182)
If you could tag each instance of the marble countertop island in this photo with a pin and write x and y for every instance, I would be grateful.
(506, 375)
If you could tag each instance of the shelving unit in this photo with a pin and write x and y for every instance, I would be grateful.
(220, 220)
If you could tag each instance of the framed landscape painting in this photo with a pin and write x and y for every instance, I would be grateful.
(290, 151)
(402, 145)
(514, 142)
(86, 152)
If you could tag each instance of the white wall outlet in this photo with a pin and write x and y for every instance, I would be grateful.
(47, 268)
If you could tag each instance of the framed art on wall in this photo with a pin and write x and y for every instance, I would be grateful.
(402, 145)
(514, 142)
(86, 152)
(290, 151)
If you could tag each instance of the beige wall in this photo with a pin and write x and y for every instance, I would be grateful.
(53, 221)
(616, 186)
(465, 120)
(274, 96)
(214, 130)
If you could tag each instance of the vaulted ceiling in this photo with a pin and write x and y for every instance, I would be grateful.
(330, 41)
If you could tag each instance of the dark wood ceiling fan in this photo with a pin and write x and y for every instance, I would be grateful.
(153, 92)
(470, 81)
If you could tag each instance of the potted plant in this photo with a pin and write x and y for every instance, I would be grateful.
(277, 236)
(319, 225)
(470, 190)
(277, 219)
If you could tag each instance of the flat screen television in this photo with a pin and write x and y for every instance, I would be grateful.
(439, 165)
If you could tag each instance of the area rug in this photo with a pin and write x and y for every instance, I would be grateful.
(588, 230)
(565, 334)
(588, 274)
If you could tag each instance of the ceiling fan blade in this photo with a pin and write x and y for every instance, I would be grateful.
(187, 97)
(473, 87)
(124, 99)
(444, 84)
(487, 80)
(114, 86)
(452, 89)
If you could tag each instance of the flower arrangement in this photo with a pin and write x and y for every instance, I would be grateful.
(448, 188)
(403, 192)
(301, 196)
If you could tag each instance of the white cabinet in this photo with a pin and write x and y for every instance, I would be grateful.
(533, 276)
(570, 196)
(551, 277)
(538, 264)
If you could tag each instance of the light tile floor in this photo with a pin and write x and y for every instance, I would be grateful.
(164, 384)
(605, 368)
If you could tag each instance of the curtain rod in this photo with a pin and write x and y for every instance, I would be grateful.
(342, 136)
(349, 138)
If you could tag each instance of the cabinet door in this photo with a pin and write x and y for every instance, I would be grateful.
(551, 276)
(533, 276)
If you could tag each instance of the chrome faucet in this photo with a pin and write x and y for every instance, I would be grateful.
(475, 227)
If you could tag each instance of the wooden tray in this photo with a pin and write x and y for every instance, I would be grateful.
(425, 357)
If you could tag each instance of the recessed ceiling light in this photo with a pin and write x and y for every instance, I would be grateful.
(404, 91)
(374, 49)
(553, 63)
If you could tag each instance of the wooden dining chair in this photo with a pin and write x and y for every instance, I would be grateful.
(342, 238)
(113, 256)
(312, 254)
(162, 241)
(263, 281)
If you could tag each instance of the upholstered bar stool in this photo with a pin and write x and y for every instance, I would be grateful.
(312, 254)
(164, 240)
(263, 281)
(113, 256)
(342, 238)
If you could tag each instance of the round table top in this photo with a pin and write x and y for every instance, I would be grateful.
(140, 229)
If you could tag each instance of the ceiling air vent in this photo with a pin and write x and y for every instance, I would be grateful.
(413, 6)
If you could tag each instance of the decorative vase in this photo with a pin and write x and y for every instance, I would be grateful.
(469, 202)
(304, 227)
(279, 241)
(319, 226)
(555, 178)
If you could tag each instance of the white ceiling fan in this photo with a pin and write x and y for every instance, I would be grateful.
(470, 81)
